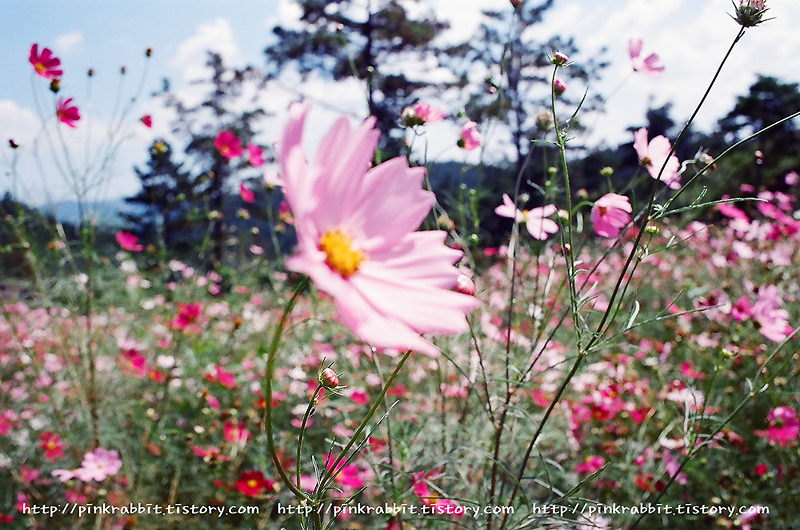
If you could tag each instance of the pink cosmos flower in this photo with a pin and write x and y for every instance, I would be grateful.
(536, 222)
(784, 427)
(188, 314)
(52, 446)
(129, 242)
(559, 87)
(652, 156)
(247, 194)
(648, 65)
(98, 465)
(228, 145)
(470, 136)
(357, 239)
(251, 483)
(791, 178)
(147, 120)
(433, 499)
(67, 114)
(422, 113)
(610, 214)
(591, 464)
(236, 434)
(45, 63)
(256, 155)
(772, 320)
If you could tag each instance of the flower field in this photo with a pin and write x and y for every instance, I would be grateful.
(362, 350)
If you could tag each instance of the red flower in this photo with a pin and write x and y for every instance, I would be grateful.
(228, 145)
(51, 443)
(147, 120)
(129, 242)
(67, 114)
(45, 64)
(187, 314)
(251, 483)
(236, 434)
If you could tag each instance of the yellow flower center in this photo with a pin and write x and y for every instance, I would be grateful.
(340, 255)
(40, 68)
(252, 483)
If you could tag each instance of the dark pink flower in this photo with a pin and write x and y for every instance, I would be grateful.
(648, 65)
(147, 120)
(188, 314)
(45, 63)
(252, 483)
(228, 145)
(256, 155)
(652, 156)
(559, 87)
(129, 242)
(470, 136)
(247, 194)
(358, 240)
(784, 427)
(431, 499)
(236, 434)
(52, 446)
(422, 113)
(67, 114)
(591, 464)
(610, 214)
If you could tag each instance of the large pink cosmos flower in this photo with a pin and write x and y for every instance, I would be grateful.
(535, 220)
(652, 156)
(648, 65)
(66, 112)
(610, 214)
(357, 240)
(98, 465)
(45, 63)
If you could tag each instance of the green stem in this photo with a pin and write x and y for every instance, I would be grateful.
(270, 372)
(311, 405)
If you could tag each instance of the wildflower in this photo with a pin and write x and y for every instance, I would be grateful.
(610, 214)
(147, 120)
(560, 59)
(535, 220)
(129, 242)
(45, 64)
(98, 465)
(66, 113)
(438, 504)
(356, 230)
(188, 314)
(14, 145)
(750, 12)
(559, 87)
(784, 427)
(247, 194)
(652, 156)
(771, 320)
(51, 443)
(422, 113)
(255, 154)
(470, 136)
(544, 121)
(236, 434)
(791, 178)
(648, 65)
(252, 483)
(228, 145)
(591, 464)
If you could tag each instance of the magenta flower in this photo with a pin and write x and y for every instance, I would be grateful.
(536, 222)
(559, 87)
(652, 156)
(98, 465)
(772, 321)
(357, 239)
(648, 65)
(147, 120)
(610, 214)
(256, 155)
(470, 136)
(45, 63)
(246, 194)
(591, 464)
(67, 113)
(784, 427)
(129, 242)
(438, 504)
(228, 145)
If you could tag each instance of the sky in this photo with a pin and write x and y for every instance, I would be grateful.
(690, 36)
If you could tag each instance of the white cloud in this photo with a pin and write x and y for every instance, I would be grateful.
(68, 42)
(17, 122)
(192, 54)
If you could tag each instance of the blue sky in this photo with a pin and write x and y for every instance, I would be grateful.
(689, 35)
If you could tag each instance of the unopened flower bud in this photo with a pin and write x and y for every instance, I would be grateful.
(90, 72)
(328, 379)
(607, 171)
(55, 85)
(123, 70)
(12, 143)
(759, 157)
(465, 285)
(559, 87)
(148, 52)
(560, 59)
(544, 121)
(750, 12)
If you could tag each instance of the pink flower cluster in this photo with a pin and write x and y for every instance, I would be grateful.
(229, 146)
(97, 465)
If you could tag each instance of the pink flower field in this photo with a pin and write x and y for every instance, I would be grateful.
(335, 327)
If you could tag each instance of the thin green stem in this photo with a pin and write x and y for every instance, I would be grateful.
(309, 409)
